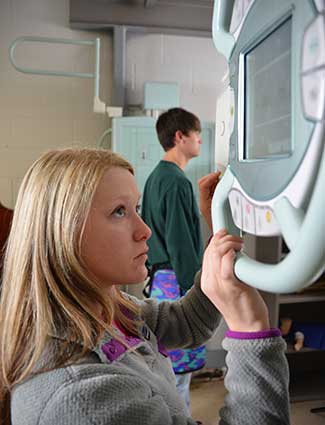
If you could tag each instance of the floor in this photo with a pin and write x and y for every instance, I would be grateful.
(207, 398)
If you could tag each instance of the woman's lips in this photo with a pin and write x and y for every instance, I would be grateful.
(141, 256)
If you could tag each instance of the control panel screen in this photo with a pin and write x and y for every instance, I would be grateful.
(267, 116)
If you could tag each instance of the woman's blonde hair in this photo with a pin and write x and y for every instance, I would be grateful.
(46, 288)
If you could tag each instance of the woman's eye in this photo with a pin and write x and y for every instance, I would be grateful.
(119, 212)
(138, 209)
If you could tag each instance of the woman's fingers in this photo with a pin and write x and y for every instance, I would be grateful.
(223, 238)
(227, 265)
(220, 256)
(241, 305)
(209, 180)
(207, 185)
(219, 234)
(223, 248)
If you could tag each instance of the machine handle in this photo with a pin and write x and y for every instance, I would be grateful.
(99, 106)
(32, 39)
(223, 39)
(306, 260)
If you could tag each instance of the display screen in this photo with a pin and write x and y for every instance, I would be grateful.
(267, 112)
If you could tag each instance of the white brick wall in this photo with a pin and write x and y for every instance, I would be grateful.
(38, 113)
(193, 62)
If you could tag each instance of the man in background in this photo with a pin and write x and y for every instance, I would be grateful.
(170, 210)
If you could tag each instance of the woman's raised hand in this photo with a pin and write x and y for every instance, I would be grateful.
(242, 306)
(207, 186)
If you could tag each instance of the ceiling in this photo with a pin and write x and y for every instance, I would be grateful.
(179, 16)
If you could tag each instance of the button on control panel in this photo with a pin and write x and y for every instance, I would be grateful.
(235, 198)
(248, 217)
(313, 53)
(266, 223)
(252, 218)
(313, 67)
(313, 92)
(320, 4)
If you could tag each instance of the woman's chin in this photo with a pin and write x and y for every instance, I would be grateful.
(140, 276)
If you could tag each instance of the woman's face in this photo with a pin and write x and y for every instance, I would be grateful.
(114, 243)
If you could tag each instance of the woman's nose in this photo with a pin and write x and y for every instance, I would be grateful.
(143, 231)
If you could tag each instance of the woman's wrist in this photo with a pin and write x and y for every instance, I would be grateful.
(265, 333)
(249, 326)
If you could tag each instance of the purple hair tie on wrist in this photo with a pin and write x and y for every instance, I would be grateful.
(267, 333)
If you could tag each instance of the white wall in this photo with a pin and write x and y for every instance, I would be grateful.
(38, 113)
(193, 62)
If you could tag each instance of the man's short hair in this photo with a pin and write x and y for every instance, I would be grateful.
(175, 119)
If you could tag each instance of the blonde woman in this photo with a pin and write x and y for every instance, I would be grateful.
(75, 350)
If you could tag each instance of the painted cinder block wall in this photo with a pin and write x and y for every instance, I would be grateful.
(38, 113)
(192, 62)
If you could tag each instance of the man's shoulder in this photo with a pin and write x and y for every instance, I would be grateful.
(165, 179)
(170, 171)
(165, 173)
